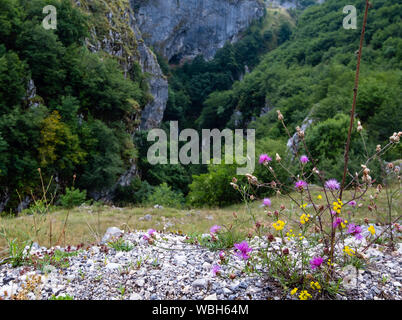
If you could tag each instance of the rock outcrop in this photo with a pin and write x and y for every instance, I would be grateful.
(114, 30)
(182, 30)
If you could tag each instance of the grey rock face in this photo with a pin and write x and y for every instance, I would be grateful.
(152, 114)
(184, 29)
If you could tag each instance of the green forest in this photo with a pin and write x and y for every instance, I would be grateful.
(80, 128)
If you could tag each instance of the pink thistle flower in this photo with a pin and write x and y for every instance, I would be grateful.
(355, 230)
(300, 185)
(332, 184)
(316, 262)
(216, 270)
(145, 237)
(214, 229)
(221, 255)
(266, 202)
(242, 250)
(151, 232)
(337, 222)
(264, 158)
(352, 203)
(304, 159)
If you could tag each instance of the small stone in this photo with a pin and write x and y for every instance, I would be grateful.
(200, 283)
(243, 285)
(206, 266)
(113, 266)
(227, 291)
(140, 282)
(211, 297)
(135, 296)
(111, 233)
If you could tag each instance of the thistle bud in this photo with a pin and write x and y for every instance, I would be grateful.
(378, 148)
(234, 180)
(285, 251)
(282, 207)
(395, 137)
(251, 179)
(280, 116)
(359, 126)
(278, 158)
(271, 238)
(232, 276)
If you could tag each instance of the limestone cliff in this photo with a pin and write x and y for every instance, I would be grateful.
(114, 31)
(183, 29)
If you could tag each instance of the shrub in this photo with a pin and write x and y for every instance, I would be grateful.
(135, 193)
(213, 188)
(165, 196)
(72, 198)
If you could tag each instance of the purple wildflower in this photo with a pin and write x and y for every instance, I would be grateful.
(145, 237)
(221, 255)
(266, 202)
(151, 232)
(304, 159)
(214, 229)
(316, 262)
(215, 270)
(264, 158)
(355, 230)
(337, 222)
(352, 203)
(242, 250)
(300, 185)
(332, 184)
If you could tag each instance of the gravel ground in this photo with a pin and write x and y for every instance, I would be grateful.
(173, 269)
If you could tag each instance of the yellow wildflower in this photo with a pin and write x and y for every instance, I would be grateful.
(279, 225)
(293, 292)
(349, 251)
(304, 218)
(319, 197)
(304, 295)
(371, 229)
(315, 286)
(337, 206)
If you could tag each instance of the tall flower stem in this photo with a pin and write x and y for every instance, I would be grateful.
(352, 113)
